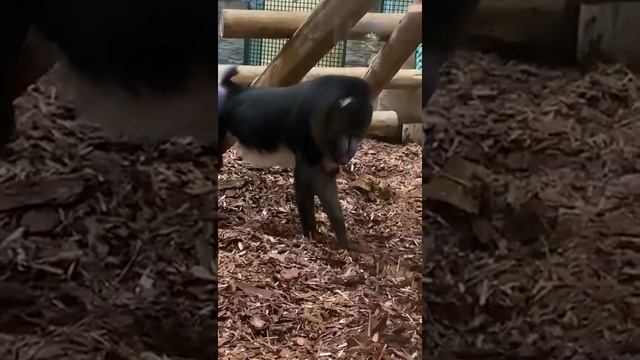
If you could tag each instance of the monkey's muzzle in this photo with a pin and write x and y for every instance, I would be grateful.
(222, 94)
(345, 150)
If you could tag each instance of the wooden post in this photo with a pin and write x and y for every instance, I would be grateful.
(401, 44)
(404, 79)
(608, 32)
(328, 24)
(248, 24)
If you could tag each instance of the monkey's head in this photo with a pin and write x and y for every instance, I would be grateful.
(342, 127)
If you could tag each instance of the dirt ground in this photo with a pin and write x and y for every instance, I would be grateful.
(532, 218)
(283, 296)
(97, 257)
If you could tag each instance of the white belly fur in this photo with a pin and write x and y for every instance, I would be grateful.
(149, 118)
(283, 157)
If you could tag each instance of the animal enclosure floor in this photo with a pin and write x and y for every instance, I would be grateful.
(532, 237)
(283, 296)
(97, 243)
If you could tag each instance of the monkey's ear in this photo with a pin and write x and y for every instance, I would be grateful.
(341, 106)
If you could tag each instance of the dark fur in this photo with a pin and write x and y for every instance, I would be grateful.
(445, 25)
(151, 44)
(265, 118)
(13, 32)
(308, 119)
(154, 43)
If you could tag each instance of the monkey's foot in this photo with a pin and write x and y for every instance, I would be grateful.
(346, 245)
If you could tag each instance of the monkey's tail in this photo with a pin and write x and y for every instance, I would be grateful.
(229, 73)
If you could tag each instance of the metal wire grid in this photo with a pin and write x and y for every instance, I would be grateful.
(400, 6)
(262, 51)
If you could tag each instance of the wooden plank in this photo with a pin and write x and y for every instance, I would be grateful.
(608, 32)
(248, 24)
(404, 79)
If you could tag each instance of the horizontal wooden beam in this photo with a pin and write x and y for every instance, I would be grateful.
(252, 24)
(404, 79)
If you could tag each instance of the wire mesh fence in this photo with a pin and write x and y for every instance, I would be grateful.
(394, 6)
(262, 51)
(400, 6)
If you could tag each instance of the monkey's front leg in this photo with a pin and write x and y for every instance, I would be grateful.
(325, 186)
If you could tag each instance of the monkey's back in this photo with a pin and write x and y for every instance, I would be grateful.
(266, 119)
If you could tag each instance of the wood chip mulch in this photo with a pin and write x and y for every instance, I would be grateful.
(98, 242)
(532, 213)
(283, 296)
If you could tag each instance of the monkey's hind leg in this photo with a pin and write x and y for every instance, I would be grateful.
(303, 184)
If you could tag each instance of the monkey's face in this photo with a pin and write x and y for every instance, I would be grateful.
(347, 126)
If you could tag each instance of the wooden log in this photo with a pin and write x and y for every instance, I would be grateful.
(248, 24)
(383, 123)
(401, 44)
(608, 33)
(328, 24)
(404, 79)
(539, 30)
(412, 133)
